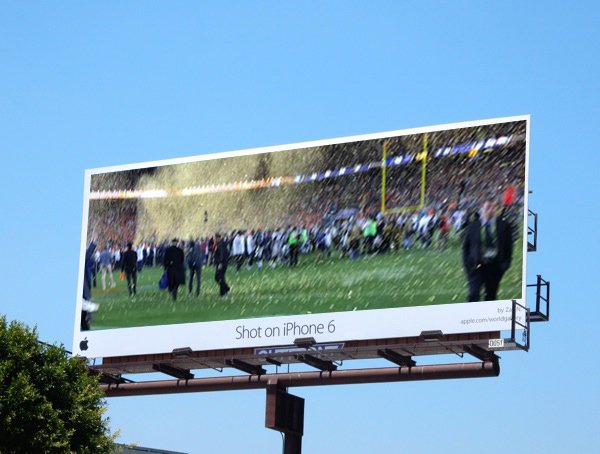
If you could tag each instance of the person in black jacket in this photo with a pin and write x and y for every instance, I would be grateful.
(173, 263)
(129, 267)
(487, 251)
(221, 258)
(86, 315)
(195, 261)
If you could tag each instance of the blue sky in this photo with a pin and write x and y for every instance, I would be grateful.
(86, 85)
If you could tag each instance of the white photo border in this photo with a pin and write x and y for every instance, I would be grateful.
(347, 326)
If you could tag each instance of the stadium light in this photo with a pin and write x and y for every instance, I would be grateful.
(153, 194)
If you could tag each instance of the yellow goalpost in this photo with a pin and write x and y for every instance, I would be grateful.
(420, 157)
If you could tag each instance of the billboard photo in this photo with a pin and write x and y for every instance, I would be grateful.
(374, 236)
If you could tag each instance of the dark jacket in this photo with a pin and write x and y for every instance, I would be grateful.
(195, 257)
(173, 263)
(87, 271)
(221, 256)
(473, 250)
(129, 261)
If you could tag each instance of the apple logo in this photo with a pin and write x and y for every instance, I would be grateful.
(83, 345)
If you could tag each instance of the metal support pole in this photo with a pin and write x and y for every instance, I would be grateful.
(292, 443)
(285, 413)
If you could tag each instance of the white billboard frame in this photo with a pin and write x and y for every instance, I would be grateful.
(453, 318)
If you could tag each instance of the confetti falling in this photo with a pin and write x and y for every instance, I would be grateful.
(352, 256)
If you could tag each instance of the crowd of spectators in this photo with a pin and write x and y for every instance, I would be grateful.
(340, 216)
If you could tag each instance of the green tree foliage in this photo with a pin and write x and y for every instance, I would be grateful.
(49, 403)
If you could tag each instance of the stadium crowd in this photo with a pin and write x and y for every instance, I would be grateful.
(340, 216)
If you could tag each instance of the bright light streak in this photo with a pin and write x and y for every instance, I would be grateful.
(279, 181)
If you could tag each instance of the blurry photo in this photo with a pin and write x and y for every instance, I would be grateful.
(401, 221)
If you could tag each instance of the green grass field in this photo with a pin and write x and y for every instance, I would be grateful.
(397, 279)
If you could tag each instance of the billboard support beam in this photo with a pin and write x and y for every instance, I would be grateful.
(397, 358)
(182, 374)
(284, 412)
(110, 379)
(481, 353)
(273, 361)
(245, 367)
(337, 377)
(317, 362)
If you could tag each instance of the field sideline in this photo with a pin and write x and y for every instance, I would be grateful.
(401, 278)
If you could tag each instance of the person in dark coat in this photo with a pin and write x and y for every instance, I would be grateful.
(487, 251)
(89, 264)
(173, 263)
(221, 259)
(129, 268)
(195, 261)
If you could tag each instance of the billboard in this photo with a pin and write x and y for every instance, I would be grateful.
(367, 237)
